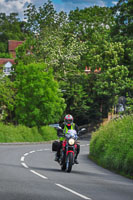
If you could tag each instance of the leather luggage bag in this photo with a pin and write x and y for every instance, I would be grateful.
(55, 145)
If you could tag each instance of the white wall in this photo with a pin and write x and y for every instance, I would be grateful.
(7, 68)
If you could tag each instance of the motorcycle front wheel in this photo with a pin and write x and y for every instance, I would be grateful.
(63, 165)
(70, 162)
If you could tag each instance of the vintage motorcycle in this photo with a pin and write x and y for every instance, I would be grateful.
(68, 150)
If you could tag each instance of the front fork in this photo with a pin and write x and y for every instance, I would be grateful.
(67, 155)
(64, 155)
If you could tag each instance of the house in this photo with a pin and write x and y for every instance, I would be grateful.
(6, 63)
(12, 45)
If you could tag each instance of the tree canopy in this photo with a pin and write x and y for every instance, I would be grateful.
(38, 99)
(95, 37)
(11, 28)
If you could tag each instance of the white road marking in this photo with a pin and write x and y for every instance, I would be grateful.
(25, 165)
(22, 159)
(32, 152)
(84, 145)
(72, 191)
(44, 177)
(34, 172)
(40, 150)
(26, 154)
(46, 149)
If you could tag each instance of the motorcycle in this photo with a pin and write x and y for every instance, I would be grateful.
(68, 150)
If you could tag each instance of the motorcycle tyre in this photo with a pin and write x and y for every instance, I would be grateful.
(63, 167)
(70, 157)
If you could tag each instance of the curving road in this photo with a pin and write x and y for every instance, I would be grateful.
(29, 172)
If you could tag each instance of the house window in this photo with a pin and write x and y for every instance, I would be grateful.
(7, 68)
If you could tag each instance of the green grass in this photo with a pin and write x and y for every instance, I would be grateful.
(112, 146)
(20, 133)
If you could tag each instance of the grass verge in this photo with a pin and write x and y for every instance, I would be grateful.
(20, 133)
(112, 146)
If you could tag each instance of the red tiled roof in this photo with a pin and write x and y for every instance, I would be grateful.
(5, 60)
(13, 44)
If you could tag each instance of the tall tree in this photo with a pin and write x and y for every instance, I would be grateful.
(123, 30)
(84, 23)
(38, 19)
(68, 45)
(11, 28)
(7, 96)
(124, 19)
(38, 99)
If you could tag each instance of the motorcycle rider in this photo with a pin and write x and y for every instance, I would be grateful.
(67, 125)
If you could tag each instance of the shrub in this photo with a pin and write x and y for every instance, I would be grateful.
(48, 133)
(112, 145)
(21, 133)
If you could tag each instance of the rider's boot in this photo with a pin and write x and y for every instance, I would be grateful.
(76, 160)
(56, 158)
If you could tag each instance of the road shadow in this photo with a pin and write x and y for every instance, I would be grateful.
(10, 165)
(46, 169)
(73, 172)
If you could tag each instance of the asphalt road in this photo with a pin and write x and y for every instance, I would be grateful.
(29, 172)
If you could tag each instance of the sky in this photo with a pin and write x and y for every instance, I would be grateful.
(9, 6)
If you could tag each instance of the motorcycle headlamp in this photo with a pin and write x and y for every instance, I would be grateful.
(71, 141)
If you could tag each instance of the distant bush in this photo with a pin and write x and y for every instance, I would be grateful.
(20, 133)
(48, 133)
(5, 55)
(112, 146)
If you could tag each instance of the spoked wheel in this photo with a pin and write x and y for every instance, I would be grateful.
(70, 162)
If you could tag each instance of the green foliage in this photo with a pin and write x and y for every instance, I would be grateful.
(48, 133)
(6, 98)
(3, 47)
(111, 84)
(24, 52)
(124, 19)
(76, 96)
(5, 55)
(60, 50)
(10, 29)
(122, 30)
(68, 45)
(105, 54)
(88, 22)
(38, 19)
(38, 99)
(129, 55)
(112, 145)
(94, 36)
(21, 133)
(129, 108)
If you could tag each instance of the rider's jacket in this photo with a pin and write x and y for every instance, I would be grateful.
(66, 128)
